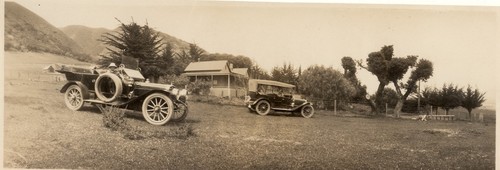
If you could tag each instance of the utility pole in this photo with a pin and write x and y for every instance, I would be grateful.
(418, 101)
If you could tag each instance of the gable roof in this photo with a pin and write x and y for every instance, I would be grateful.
(203, 66)
(242, 71)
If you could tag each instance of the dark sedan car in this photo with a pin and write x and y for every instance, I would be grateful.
(266, 95)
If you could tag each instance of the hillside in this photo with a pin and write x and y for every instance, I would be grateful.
(87, 38)
(26, 31)
(179, 45)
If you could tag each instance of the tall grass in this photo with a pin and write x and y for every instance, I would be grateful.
(114, 119)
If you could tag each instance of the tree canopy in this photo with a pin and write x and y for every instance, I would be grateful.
(350, 70)
(472, 99)
(389, 69)
(325, 83)
(140, 42)
(287, 74)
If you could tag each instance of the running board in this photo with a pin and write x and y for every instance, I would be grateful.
(290, 109)
(284, 109)
(114, 103)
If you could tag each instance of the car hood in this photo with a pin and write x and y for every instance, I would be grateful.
(155, 86)
(299, 101)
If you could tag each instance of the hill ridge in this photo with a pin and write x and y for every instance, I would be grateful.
(26, 31)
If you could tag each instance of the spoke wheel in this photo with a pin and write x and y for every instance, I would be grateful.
(263, 107)
(74, 97)
(180, 112)
(307, 111)
(157, 109)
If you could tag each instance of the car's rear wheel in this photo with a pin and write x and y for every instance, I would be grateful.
(307, 111)
(263, 107)
(157, 109)
(180, 112)
(74, 97)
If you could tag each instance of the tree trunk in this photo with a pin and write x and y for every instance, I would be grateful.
(373, 106)
(397, 109)
(378, 98)
(401, 100)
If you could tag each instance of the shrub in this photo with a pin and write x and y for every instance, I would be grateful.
(234, 101)
(113, 118)
(324, 83)
(199, 87)
(178, 81)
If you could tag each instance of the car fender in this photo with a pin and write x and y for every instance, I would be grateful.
(300, 106)
(144, 95)
(85, 89)
(258, 100)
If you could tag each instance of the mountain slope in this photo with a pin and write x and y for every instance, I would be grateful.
(178, 44)
(26, 31)
(87, 38)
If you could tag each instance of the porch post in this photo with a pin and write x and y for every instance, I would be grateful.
(229, 85)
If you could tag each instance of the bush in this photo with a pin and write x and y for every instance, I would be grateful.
(199, 87)
(410, 106)
(390, 97)
(113, 118)
(217, 100)
(323, 83)
(178, 81)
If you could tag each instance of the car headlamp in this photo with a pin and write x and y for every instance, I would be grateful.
(175, 91)
(183, 92)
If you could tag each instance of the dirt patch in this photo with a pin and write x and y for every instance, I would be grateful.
(447, 132)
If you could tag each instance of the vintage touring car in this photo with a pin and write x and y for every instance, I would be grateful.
(124, 88)
(266, 95)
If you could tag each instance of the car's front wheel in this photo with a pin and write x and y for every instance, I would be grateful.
(74, 97)
(157, 109)
(263, 107)
(307, 111)
(180, 112)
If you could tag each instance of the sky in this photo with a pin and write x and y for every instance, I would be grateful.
(461, 41)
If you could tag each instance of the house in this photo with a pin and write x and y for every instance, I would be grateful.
(224, 79)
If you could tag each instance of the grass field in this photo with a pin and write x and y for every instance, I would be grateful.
(40, 132)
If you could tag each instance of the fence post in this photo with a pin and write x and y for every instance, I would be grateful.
(385, 108)
(335, 107)
(431, 110)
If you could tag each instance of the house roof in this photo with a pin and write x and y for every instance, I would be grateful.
(203, 66)
(217, 67)
(242, 71)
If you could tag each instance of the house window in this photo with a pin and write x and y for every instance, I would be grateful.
(214, 82)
